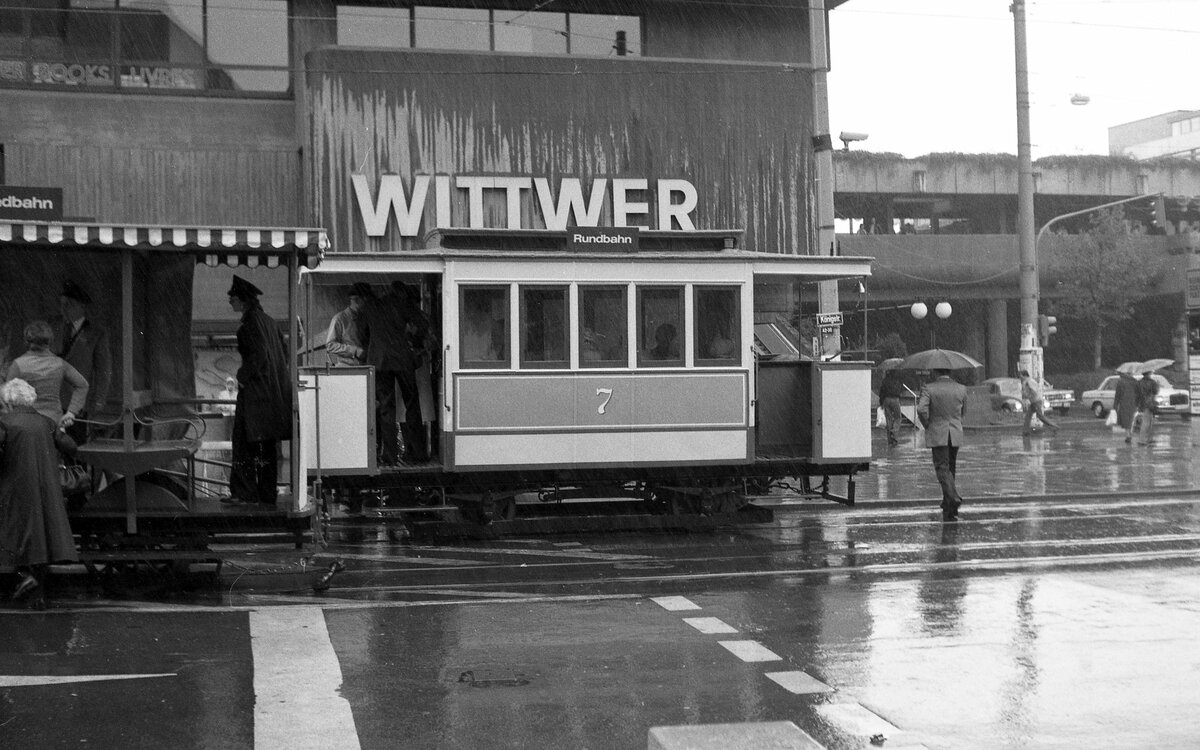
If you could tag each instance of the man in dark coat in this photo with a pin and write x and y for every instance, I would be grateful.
(388, 326)
(263, 415)
(940, 409)
(85, 345)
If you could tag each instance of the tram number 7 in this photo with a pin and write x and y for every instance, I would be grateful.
(607, 393)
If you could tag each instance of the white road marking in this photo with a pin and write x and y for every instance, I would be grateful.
(750, 651)
(674, 603)
(709, 625)
(853, 718)
(21, 680)
(297, 682)
(582, 554)
(799, 683)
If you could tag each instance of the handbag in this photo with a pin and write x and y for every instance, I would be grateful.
(74, 479)
(1111, 419)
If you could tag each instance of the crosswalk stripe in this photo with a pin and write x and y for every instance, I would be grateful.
(799, 683)
(750, 651)
(674, 603)
(709, 625)
(297, 679)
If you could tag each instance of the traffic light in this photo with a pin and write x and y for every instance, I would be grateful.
(1047, 326)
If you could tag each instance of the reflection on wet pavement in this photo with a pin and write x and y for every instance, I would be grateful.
(1083, 457)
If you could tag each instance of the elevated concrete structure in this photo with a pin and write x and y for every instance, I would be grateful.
(942, 227)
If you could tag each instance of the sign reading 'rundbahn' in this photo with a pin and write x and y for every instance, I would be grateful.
(623, 239)
(30, 203)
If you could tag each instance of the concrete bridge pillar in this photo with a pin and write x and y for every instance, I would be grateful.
(997, 365)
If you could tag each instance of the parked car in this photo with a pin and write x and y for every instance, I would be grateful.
(1171, 400)
(1005, 394)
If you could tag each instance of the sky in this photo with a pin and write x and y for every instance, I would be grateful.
(922, 76)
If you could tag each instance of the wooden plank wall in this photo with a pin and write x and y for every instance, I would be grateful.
(163, 186)
(741, 133)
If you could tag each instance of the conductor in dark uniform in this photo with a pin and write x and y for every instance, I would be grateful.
(940, 409)
(263, 415)
(84, 344)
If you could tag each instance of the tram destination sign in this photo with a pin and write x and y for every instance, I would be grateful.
(30, 203)
(581, 239)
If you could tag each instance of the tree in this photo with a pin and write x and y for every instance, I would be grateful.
(891, 346)
(1100, 275)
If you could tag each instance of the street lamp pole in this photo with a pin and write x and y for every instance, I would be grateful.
(1031, 351)
(1025, 220)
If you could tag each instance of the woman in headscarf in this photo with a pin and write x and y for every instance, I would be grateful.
(34, 530)
(46, 372)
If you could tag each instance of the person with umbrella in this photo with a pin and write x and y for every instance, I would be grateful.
(940, 409)
(1147, 400)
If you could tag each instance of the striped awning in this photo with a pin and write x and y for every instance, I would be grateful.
(234, 246)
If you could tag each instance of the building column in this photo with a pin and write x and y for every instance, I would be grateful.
(997, 338)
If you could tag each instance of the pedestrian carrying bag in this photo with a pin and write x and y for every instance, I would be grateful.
(1111, 420)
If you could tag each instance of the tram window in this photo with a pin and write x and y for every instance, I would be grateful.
(660, 326)
(602, 327)
(484, 326)
(543, 327)
(717, 326)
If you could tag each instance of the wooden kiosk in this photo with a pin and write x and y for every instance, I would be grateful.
(145, 442)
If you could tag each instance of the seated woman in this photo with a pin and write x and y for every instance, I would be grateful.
(46, 372)
(34, 530)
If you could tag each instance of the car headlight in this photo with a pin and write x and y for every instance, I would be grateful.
(1162, 400)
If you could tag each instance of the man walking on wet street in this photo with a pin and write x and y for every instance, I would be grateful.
(940, 409)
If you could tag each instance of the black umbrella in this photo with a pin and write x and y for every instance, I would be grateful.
(939, 359)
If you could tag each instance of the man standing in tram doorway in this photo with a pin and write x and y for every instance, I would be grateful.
(389, 325)
(263, 415)
(940, 409)
(84, 344)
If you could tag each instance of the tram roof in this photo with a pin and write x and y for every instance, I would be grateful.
(810, 267)
(250, 246)
(551, 247)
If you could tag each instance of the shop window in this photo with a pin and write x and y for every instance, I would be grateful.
(250, 33)
(543, 327)
(660, 326)
(717, 316)
(175, 44)
(483, 326)
(162, 31)
(605, 35)
(536, 32)
(452, 28)
(374, 26)
(603, 327)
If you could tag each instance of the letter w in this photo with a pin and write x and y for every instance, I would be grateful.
(391, 195)
(570, 200)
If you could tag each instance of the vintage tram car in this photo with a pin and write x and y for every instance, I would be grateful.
(559, 372)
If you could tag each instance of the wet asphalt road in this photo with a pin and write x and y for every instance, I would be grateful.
(1035, 622)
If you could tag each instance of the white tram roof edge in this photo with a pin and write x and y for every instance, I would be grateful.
(809, 267)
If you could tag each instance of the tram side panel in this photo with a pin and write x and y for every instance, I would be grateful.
(592, 420)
